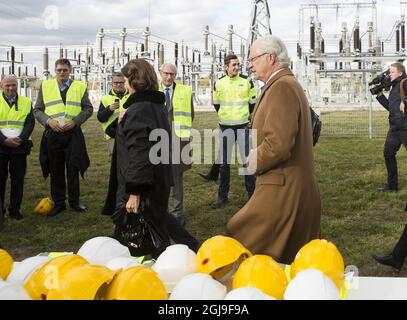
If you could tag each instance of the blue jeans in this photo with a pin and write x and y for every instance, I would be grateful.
(229, 135)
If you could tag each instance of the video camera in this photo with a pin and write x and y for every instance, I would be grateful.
(382, 81)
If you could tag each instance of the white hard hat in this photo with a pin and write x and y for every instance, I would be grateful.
(100, 250)
(198, 286)
(122, 263)
(24, 269)
(174, 263)
(11, 291)
(248, 293)
(11, 132)
(311, 284)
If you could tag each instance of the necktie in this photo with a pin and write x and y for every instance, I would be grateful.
(167, 99)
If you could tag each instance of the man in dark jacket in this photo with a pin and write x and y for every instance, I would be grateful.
(397, 133)
(16, 124)
(62, 107)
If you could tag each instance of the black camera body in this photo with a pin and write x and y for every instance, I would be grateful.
(382, 82)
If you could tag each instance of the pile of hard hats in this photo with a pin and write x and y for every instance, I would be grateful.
(221, 269)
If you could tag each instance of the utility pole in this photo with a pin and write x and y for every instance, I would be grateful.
(259, 22)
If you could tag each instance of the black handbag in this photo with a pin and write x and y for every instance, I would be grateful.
(316, 126)
(139, 234)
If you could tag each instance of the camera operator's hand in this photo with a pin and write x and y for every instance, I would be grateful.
(402, 107)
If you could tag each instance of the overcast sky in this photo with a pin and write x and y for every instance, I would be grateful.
(75, 22)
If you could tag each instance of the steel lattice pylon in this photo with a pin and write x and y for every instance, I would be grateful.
(259, 21)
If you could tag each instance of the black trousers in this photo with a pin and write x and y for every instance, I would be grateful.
(179, 234)
(16, 165)
(393, 142)
(57, 148)
(400, 250)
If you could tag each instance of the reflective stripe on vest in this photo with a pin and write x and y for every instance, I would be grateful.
(54, 105)
(12, 118)
(107, 100)
(182, 110)
(233, 95)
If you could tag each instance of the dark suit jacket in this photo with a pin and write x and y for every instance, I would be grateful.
(136, 171)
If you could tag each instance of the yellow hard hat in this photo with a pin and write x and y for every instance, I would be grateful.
(44, 206)
(261, 272)
(321, 255)
(87, 282)
(217, 255)
(49, 275)
(136, 283)
(6, 264)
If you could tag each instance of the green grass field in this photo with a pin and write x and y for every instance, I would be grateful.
(357, 218)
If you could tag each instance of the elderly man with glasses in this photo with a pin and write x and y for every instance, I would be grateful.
(285, 210)
(16, 124)
(62, 106)
(179, 108)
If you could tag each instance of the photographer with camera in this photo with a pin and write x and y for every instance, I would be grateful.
(394, 78)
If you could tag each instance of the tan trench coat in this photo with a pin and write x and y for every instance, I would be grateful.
(284, 211)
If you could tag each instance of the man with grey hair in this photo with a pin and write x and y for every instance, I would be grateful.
(284, 212)
(180, 111)
(16, 125)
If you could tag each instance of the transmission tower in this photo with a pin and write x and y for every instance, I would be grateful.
(259, 21)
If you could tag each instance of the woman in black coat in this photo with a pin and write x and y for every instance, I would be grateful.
(139, 180)
(144, 173)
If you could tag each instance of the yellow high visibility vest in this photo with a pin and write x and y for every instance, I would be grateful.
(12, 118)
(107, 100)
(234, 96)
(54, 105)
(182, 109)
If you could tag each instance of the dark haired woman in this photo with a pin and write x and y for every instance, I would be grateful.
(140, 181)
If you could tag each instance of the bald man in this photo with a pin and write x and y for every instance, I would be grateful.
(16, 125)
(180, 111)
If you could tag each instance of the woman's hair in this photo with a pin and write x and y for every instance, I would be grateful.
(140, 75)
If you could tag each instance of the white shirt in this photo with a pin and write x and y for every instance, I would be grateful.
(171, 88)
(273, 74)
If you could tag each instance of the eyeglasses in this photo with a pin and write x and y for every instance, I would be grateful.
(62, 70)
(168, 74)
(118, 82)
(251, 60)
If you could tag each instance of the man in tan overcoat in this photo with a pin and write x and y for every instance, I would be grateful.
(284, 212)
